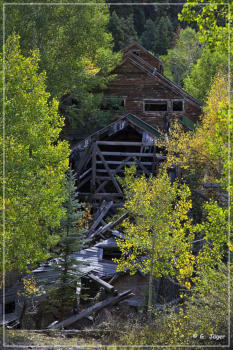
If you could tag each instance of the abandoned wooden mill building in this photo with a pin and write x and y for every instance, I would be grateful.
(150, 102)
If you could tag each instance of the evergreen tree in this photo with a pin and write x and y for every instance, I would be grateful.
(63, 293)
(122, 30)
(157, 36)
(164, 36)
(148, 37)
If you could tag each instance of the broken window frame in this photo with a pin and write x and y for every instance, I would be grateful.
(178, 100)
(155, 102)
(136, 52)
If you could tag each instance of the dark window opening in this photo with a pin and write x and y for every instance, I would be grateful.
(177, 106)
(136, 53)
(156, 106)
(114, 104)
(109, 254)
(10, 307)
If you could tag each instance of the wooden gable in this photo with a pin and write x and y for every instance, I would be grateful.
(150, 95)
(137, 50)
(101, 158)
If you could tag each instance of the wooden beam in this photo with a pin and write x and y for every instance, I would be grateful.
(122, 164)
(120, 219)
(109, 301)
(93, 174)
(101, 230)
(101, 282)
(103, 178)
(122, 143)
(116, 162)
(85, 173)
(109, 170)
(155, 163)
(129, 154)
(102, 214)
(101, 195)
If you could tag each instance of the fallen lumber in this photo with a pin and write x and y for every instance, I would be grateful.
(104, 284)
(119, 220)
(118, 234)
(105, 207)
(91, 309)
(101, 230)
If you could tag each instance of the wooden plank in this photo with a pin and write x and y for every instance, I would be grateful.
(118, 234)
(85, 173)
(103, 229)
(129, 154)
(109, 170)
(102, 214)
(103, 178)
(116, 162)
(104, 284)
(122, 143)
(101, 195)
(109, 301)
(120, 219)
(100, 208)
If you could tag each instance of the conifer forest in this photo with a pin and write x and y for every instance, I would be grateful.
(116, 182)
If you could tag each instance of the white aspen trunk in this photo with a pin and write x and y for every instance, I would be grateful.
(150, 289)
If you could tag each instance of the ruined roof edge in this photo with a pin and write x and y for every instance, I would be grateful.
(138, 121)
(143, 48)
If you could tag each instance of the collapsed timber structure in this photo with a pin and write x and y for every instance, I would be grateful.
(150, 101)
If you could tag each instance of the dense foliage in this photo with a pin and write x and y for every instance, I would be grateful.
(153, 25)
(180, 59)
(179, 230)
(75, 51)
(158, 230)
(35, 160)
(214, 23)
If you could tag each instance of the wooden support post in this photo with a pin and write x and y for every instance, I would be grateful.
(108, 170)
(115, 171)
(93, 176)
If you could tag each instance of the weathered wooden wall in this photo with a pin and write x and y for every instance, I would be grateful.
(137, 80)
